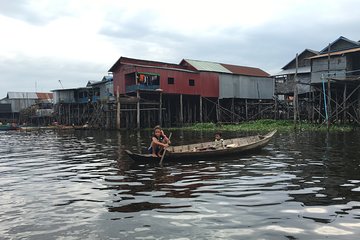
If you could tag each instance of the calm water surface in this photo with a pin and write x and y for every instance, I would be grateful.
(80, 185)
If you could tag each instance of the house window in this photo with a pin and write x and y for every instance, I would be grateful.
(191, 82)
(171, 80)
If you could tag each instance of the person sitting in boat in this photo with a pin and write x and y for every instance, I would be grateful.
(86, 125)
(219, 142)
(159, 141)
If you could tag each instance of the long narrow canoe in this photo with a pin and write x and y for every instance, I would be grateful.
(8, 128)
(204, 151)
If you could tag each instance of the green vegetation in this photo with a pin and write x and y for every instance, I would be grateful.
(267, 125)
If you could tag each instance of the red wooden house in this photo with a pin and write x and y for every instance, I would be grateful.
(181, 88)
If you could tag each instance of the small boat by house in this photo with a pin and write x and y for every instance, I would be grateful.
(205, 151)
(9, 127)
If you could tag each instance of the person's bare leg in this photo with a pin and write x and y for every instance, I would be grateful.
(153, 146)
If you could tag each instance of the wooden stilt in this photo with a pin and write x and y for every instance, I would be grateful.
(295, 99)
(200, 109)
(160, 109)
(344, 103)
(328, 90)
(312, 99)
(118, 108)
(246, 110)
(138, 109)
(69, 112)
(232, 110)
(218, 110)
(188, 111)
(169, 111)
(276, 109)
(181, 110)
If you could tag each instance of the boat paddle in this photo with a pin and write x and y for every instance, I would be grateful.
(162, 157)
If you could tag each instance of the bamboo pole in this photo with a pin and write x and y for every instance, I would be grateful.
(201, 109)
(246, 110)
(160, 109)
(117, 108)
(329, 90)
(344, 103)
(138, 109)
(295, 99)
(218, 117)
(181, 110)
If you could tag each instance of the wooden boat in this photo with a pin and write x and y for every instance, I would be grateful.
(204, 151)
(9, 127)
(81, 128)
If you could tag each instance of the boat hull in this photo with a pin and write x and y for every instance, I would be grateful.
(217, 154)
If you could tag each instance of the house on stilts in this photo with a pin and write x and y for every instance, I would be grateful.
(333, 92)
(189, 92)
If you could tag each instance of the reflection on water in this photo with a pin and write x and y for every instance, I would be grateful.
(80, 185)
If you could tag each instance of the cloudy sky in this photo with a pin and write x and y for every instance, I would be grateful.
(44, 41)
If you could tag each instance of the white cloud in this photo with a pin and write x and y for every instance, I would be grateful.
(76, 34)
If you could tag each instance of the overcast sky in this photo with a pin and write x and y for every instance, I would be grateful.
(74, 41)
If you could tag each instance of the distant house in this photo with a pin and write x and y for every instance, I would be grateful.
(79, 95)
(285, 79)
(337, 65)
(192, 77)
(193, 90)
(93, 92)
(234, 81)
(14, 102)
(344, 55)
(105, 87)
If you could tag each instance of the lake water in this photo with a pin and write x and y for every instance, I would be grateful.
(81, 185)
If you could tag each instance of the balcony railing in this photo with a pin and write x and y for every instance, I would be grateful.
(134, 88)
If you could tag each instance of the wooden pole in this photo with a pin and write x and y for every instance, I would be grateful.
(200, 109)
(160, 109)
(312, 94)
(328, 90)
(295, 99)
(218, 110)
(117, 108)
(358, 106)
(344, 103)
(69, 123)
(232, 110)
(246, 110)
(336, 106)
(163, 155)
(138, 109)
(181, 110)
(276, 115)
(169, 110)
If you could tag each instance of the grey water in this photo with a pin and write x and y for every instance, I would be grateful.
(81, 185)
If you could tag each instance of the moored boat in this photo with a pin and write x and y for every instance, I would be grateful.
(204, 151)
(9, 127)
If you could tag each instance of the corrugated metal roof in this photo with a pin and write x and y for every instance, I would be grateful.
(44, 95)
(336, 53)
(107, 78)
(148, 63)
(300, 55)
(22, 95)
(293, 70)
(226, 68)
(247, 71)
(354, 43)
(29, 95)
(208, 66)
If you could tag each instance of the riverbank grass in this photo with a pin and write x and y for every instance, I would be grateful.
(267, 125)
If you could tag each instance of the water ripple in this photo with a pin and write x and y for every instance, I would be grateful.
(78, 185)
